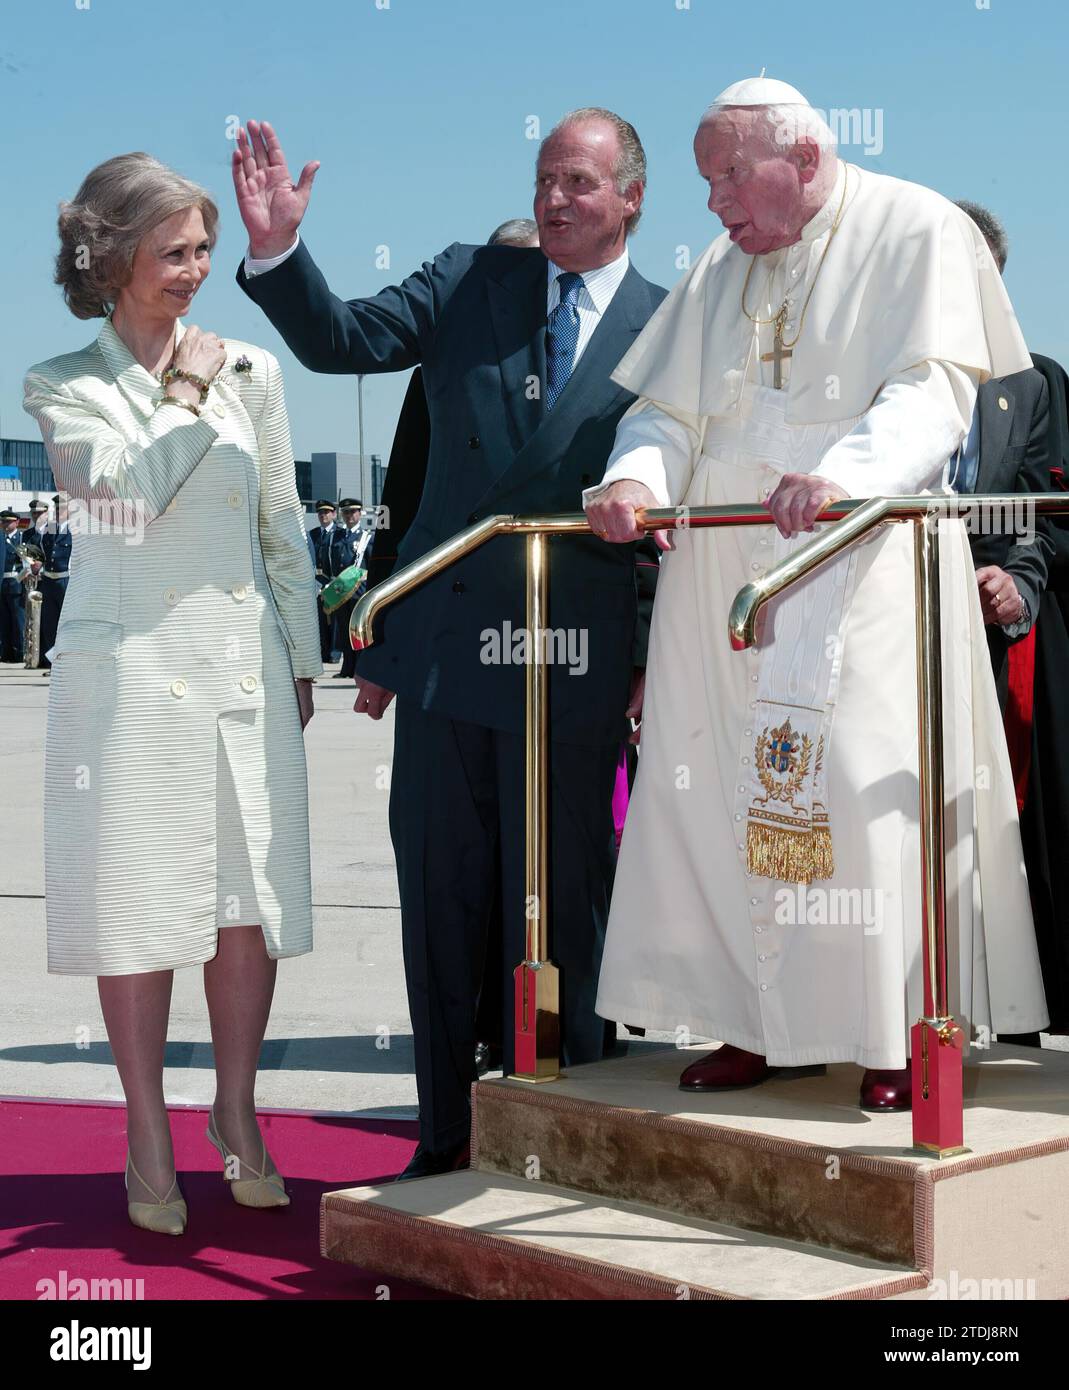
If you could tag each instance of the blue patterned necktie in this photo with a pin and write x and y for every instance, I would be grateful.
(563, 336)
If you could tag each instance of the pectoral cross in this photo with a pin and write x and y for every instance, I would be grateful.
(779, 352)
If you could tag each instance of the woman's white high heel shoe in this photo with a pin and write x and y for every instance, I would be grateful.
(167, 1218)
(263, 1190)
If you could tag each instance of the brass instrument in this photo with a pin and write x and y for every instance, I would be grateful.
(31, 640)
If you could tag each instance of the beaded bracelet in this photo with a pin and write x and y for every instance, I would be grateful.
(185, 405)
(180, 374)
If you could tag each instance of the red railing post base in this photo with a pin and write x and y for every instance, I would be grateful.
(537, 1022)
(938, 1097)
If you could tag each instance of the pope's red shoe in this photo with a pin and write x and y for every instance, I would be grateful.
(725, 1069)
(887, 1090)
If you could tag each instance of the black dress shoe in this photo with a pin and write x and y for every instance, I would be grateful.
(426, 1163)
(488, 1057)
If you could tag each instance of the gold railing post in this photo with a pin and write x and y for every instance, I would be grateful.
(936, 1039)
(537, 983)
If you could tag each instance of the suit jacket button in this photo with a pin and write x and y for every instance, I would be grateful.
(248, 684)
(234, 499)
(474, 442)
(178, 689)
(240, 592)
(458, 587)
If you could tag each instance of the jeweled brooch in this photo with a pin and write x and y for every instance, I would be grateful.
(243, 364)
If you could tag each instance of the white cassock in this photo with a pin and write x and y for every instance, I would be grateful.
(799, 758)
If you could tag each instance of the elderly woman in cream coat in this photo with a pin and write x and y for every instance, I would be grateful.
(181, 673)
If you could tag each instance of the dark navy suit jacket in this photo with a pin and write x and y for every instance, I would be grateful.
(474, 318)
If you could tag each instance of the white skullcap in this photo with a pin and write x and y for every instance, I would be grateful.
(760, 91)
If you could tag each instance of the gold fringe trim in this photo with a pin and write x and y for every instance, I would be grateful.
(792, 856)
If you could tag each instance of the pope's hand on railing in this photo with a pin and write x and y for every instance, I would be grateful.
(612, 513)
(799, 499)
(372, 699)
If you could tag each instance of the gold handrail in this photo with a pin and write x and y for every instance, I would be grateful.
(936, 1038)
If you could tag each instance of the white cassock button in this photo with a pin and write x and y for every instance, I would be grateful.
(759, 929)
(240, 592)
(754, 679)
(763, 988)
(745, 762)
(218, 411)
(742, 788)
(739, 844)
(170, 596)
(753, 902)
(248, 684)
(749, 732)
(739, 818)
(234, 499)
(178, 689)
(755, 567)
(762, 956)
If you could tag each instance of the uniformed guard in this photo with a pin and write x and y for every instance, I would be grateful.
(11, 590)
(56, 542)
(344, 554)
(321, 538)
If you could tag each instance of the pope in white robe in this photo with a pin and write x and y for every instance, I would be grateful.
(829, 344)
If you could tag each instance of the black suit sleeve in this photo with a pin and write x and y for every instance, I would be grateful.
(385, 332)
(647, 571)
(1029, 564)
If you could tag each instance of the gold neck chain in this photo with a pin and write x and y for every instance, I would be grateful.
(779, 318)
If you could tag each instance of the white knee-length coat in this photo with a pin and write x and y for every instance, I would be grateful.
(176, 795)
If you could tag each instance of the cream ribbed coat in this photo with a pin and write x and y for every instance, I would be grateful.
(176, 795)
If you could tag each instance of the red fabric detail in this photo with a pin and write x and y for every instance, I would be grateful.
(620, 796)
(1017, 718)
(63, 1207)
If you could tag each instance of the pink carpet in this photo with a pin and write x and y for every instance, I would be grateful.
(63, 1208)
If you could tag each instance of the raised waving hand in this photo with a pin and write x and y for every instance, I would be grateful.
(271, 204)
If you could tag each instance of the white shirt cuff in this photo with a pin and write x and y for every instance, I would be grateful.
(261, 267)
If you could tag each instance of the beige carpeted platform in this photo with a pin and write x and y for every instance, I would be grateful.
(612, 1183)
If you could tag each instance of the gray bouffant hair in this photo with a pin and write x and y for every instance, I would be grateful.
(103, 224)
(994, 232)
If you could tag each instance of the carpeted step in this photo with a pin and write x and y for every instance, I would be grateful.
(698, 1156)
(493, 1236)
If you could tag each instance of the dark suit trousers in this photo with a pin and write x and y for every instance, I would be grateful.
(456, 820)
(11, 620)
(53, 592)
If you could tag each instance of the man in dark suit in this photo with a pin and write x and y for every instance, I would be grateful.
(1024, 447)
(516, 347)
(1006, 451)
(321, 538)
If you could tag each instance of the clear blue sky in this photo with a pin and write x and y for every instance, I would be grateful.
(418, 109)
